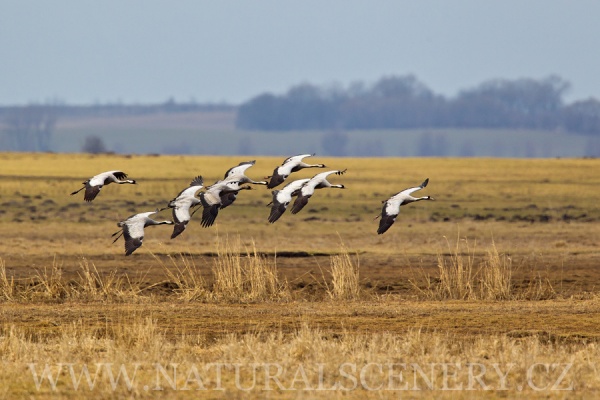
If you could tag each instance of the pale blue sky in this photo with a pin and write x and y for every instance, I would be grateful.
(145, 51)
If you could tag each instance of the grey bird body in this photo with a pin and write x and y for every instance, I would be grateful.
(318, 181)
(239, 173)
(182, 204)
(391, 207)
(290, 165)
(217, 196)
(282, 198)
(93, 185)
(132, 229)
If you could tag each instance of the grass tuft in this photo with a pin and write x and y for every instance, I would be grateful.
(495, 276)
(93, 286)
(48, 283)
(462, 278)
(457, 273)
(344, 277)
(187, 277)
(246, 278)
(7, 285)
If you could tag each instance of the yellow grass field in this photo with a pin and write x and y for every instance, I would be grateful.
(489, 291)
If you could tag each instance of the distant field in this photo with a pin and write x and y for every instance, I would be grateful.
(530, 208)
(214, 133)
(501, 269)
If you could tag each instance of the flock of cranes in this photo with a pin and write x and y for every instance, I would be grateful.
(224, 192)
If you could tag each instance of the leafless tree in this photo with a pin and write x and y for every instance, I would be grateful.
(30, 128)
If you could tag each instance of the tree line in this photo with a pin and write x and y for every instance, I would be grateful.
(393, 102)
(403, 102)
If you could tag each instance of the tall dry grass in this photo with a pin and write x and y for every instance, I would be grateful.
(537, 287)
(457, 273)
(49, 284)
(92, 285)
(238, 276)
(345, 275)
(495, 282)
(190, 284)
(303, 362)
(246, 276)
(461, 277)
(7, 284)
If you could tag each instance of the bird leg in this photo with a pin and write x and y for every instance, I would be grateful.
(117, 232)
(77, 191)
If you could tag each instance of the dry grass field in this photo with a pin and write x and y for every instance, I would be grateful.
(489, 291)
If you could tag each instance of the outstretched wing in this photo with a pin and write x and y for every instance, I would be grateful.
(209, 214)
(323, 175)
(132, 244)
(277, 208)
(178, 227)
(210, 210)
(120, 175)
(300, 202)
(239, 169)
(228, 198)
(181, 217)
(133, 240)
(196, 184)
(411, 190)
(276, 179)
(181, 213)
(297, 158)
(91, 192)
(197, 181)
(389, 212)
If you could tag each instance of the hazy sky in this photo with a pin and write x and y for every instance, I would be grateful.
(146, 51)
